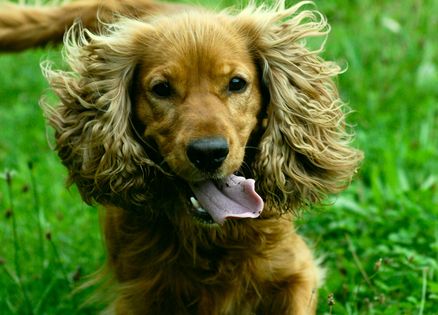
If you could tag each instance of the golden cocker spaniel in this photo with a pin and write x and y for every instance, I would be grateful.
(201, 134)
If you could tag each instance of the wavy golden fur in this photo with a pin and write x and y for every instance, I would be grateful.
(136, 95)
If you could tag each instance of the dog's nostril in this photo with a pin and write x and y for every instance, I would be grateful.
(208, 154)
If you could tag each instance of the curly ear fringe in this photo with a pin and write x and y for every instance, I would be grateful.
(94, 136)
(305, 151)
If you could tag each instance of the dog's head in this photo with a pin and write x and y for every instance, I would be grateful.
(199, 96)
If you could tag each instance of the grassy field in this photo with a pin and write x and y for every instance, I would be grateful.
(379, 241)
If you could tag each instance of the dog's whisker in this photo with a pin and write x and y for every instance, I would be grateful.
(248, 147)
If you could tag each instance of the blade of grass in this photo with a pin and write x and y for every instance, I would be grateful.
(45, 294)
(357, 261)
(58, 258)
(28, 304)
(38, 213)
(423, 291)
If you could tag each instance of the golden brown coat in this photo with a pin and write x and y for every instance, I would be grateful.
(125, 146)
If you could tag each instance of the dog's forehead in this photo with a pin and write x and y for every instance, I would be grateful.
(201, 37)
(198, 45)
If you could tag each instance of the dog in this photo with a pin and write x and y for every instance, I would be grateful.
(202, 134)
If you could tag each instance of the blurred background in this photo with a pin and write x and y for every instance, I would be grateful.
(378, 240)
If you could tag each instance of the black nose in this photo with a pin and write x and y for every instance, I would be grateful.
(208, 154)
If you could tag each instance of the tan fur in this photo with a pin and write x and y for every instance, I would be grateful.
(23, 27)
(125, 148)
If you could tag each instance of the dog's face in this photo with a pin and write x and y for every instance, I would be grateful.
(192, 83)
(198, 97)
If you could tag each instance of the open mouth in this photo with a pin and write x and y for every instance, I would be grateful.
(215, 201)
(200, 213)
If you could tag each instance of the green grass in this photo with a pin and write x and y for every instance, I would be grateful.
(378, 242)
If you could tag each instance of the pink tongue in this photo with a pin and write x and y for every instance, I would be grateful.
(233, 197)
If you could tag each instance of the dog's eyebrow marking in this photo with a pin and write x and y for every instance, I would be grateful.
(226, 69)
(229, 70)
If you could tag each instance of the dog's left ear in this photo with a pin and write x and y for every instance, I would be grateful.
(305, 150)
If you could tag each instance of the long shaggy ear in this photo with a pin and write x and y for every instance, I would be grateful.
(94, 136)
(304, 152)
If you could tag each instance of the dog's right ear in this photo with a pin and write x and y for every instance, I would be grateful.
(94, 134)
(304, 152)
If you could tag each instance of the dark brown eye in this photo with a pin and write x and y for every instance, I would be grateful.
(237, 85)
(162, 89)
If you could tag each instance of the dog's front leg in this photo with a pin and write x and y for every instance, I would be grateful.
(294, 285)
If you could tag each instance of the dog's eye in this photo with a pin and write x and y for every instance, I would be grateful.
(162, 89)
(237, 85)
